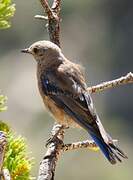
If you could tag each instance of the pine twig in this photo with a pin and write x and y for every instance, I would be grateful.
(112, 84)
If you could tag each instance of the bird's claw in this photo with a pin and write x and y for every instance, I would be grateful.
(49, 141)
(54, 139)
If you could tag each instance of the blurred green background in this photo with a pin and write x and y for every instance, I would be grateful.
(98, 34)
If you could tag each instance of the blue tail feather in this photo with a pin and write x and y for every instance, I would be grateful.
(110, 151)
(104, 148)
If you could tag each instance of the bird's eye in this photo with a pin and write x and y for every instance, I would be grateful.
(35, 50)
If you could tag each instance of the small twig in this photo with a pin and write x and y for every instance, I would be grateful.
(90, 144)
(111, 84)
(76, 145)
(41, 17)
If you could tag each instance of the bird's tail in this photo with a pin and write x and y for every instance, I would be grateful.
(110, 150)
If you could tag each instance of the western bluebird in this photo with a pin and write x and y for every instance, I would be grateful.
(64, 92)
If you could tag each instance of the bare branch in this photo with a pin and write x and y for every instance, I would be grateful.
(56, 6)
(47, 8)
(112, 84)
(53, 14)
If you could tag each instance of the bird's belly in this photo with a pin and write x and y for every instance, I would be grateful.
(59, 115)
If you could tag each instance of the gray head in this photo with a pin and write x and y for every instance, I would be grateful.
(44, 51)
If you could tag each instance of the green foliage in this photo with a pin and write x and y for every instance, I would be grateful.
(16, 159)
(3, 99)
(7, 10)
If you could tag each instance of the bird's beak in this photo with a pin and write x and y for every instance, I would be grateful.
(25, 51)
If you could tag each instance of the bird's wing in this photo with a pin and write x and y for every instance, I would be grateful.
(69, 94)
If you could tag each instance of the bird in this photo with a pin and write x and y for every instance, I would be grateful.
(64, 92)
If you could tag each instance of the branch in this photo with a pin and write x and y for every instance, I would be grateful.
(112, 84)
(81, 144)
(48, 164)
(89, 144)
(53, 17)
(56, 6)
(47, 8)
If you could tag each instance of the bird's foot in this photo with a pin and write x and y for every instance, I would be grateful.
(54, 138)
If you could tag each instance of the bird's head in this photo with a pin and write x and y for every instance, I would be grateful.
(43, 51)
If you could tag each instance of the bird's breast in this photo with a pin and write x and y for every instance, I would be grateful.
(57, 112)
(59, 115)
